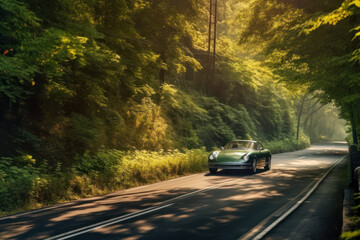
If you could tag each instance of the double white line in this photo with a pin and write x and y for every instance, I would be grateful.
(107, 223)
(112, 221)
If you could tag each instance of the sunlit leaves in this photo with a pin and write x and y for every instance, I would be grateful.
(350, 235)
(148, 127)
(332, 19)
(176, 100)
(111, 74)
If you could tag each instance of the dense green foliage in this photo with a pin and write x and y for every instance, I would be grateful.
(85, 85)
(109, 75)
(314, 44)
(26, 185)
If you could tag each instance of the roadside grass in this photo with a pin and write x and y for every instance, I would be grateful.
(26, 185)
(115, 170)
(287, 145)
(354, 226)
(354, 233)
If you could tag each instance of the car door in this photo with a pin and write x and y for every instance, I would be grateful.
(262, 154)
(257, 154)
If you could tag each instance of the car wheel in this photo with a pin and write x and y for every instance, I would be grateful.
(254, 166)
(213, 170)
(268, 163)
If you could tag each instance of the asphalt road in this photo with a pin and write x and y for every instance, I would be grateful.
(294, 200)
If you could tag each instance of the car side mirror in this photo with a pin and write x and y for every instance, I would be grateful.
(261, 148)
(222, 148)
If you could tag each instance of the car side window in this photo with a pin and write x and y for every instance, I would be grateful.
(254, 146)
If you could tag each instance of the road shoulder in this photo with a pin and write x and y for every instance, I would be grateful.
(320, 217)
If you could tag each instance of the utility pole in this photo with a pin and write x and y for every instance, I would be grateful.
(212, 37)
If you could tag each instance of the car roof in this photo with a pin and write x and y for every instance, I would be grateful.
(244, 141)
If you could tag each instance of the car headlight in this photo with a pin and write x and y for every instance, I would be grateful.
(246, 157)
(214, 155)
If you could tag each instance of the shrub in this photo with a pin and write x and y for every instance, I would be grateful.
(287, 145)
(16, 181)
(111, 170)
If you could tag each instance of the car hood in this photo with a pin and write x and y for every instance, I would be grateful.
(231, 155)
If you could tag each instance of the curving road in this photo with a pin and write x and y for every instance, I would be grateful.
(294, 200)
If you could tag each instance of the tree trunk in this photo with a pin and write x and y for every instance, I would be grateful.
(162, 71)
(353, 127)
(299, 116)
(311, 134)
(162, 75)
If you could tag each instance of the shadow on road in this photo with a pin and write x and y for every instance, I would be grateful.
(235, 173)
(200, 216)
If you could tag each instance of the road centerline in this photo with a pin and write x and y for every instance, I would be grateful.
(105, 223)
(125, 217)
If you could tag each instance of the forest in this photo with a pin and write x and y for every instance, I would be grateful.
(97, 96)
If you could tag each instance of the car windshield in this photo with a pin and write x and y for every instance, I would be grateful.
(240, 145)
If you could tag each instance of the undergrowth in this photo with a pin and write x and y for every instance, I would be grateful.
(24, 185)
(287, 145)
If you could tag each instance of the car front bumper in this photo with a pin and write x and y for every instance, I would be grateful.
(230, 165)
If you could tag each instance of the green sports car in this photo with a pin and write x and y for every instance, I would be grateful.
(240, 154)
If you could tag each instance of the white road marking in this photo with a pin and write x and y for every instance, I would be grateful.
(89, 228)
(159, 206)
(288, 212)
(135, 188)
(276, 214)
